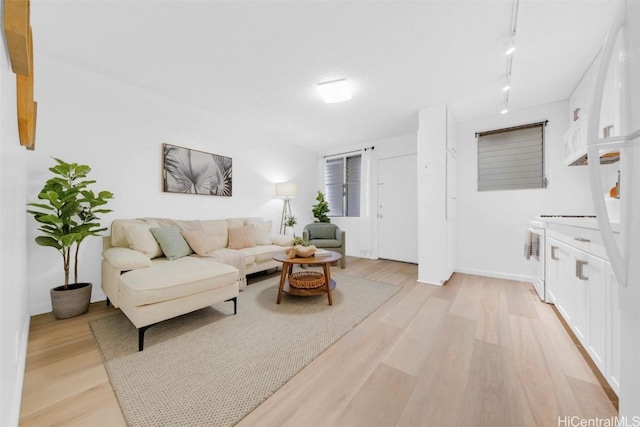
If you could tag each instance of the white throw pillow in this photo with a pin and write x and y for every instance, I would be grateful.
(140, 239)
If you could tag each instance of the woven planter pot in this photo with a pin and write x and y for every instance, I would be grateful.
(71, 302)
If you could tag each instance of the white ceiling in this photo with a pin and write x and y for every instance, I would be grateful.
(258, 62)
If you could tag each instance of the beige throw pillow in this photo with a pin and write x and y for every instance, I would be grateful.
(263, 233)
(140, 239)
(242, 237)
(202, 242)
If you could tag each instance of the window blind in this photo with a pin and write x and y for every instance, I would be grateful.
(333, 181)
(513, 158)
(353, 185)
(342, 177)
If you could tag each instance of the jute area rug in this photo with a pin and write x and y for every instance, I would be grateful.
(211, 368)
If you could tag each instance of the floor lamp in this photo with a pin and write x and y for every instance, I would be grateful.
(286, 191)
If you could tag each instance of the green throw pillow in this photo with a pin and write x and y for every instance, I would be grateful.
(171, 242)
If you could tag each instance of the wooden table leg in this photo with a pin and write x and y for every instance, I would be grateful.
(327, 278)
(283, 276)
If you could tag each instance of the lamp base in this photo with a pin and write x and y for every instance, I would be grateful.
(286, 212)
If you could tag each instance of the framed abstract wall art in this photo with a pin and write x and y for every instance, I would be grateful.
(195, 172)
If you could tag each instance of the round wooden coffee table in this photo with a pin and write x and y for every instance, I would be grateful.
(287, 266)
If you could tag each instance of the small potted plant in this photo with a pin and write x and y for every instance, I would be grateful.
(290, 222)
(67, 214)
(321, 209)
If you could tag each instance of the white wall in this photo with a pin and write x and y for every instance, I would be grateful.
(492, 224)
(118, 130)
(401, 145)
(14, 319)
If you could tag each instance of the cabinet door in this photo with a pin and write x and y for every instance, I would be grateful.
(613, 329)
(566, 283)
(594, 276)
(554, 255)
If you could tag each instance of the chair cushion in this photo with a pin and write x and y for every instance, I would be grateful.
(325, 243)
(322, 231)
(166, 280)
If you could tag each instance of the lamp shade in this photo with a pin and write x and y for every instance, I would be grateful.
(286, 190)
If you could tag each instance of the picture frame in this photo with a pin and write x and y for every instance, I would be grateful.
(189, 171)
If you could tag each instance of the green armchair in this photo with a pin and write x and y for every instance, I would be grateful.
(327, 236)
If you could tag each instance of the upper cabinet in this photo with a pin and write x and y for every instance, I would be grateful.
(580, 114)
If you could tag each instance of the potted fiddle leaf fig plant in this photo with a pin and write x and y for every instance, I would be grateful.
(67, 213)
(321, 209)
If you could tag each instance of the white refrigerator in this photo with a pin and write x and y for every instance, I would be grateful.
(625, 259)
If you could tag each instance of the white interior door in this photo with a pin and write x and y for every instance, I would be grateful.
(398, 209)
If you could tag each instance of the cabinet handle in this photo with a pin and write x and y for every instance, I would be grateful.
(579, 271)
(553, 253)
(606, 131)
(582, 239)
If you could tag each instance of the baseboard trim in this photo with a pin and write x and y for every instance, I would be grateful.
(22, 363)
(46, 308)
(495, 274)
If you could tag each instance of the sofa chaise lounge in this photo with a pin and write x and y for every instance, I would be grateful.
(155, 269)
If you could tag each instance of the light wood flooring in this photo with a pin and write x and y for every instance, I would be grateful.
(476, 352)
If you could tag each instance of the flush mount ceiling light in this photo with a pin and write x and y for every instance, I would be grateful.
(335, 91)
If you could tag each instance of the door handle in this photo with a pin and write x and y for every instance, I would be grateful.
(579, 269)
(582, 239)
(553, 253)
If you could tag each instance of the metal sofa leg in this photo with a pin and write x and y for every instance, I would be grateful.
(235, 304)
(141, 332)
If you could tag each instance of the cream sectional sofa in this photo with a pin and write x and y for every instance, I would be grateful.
(154, 269)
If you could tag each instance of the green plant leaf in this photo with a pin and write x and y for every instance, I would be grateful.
(48, 241)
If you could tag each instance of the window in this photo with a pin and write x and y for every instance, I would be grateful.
(342, 185)
(512, 158)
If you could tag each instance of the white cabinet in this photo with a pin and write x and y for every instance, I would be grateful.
(580, 283)
(581, 98)
(610, 111)
(594, 279)
(557, 259)
(613, 337)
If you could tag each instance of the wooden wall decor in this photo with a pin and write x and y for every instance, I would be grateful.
(17, 31)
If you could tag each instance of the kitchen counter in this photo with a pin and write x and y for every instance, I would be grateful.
(591, 223)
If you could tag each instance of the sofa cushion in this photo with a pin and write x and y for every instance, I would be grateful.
(236, 222)
(281, 239)
(171, 241)
(322, 231)
(263, 233)
(188, 225)
(125, 258)
(325, 243)
(226, 256)
(242, 237)
(166, 280)
(264, 253)
(218, 228)
(140, 238)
